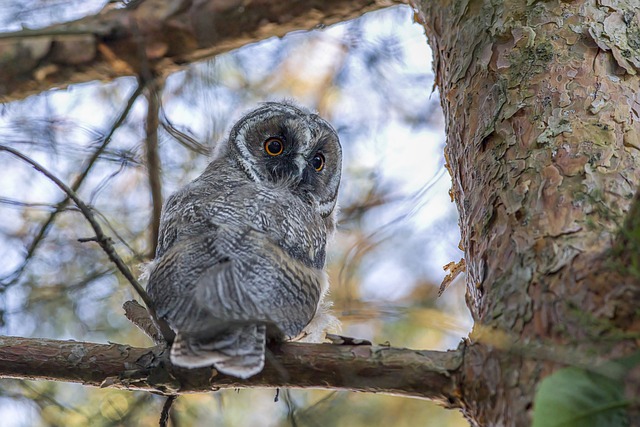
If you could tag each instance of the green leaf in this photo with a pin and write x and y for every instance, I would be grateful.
(574, 397)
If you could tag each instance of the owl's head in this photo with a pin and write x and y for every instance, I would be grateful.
(284, 145)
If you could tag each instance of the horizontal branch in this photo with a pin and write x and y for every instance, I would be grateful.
(154, 38)
(423, 374)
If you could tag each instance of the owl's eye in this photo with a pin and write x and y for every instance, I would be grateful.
(273, 146)
(318, 161)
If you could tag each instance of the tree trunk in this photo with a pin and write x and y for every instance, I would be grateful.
(542, 113)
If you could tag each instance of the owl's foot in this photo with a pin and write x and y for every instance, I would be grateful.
(342, 340)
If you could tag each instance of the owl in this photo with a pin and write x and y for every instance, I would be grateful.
(241, 251)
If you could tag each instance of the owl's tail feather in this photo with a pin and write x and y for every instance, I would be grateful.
(238, 351)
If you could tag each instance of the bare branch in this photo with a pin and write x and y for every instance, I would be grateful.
(170, 33)
(44, 228)
(101, 238)
(182, 138)
(164, 416)
(423, 374)
(153, 162)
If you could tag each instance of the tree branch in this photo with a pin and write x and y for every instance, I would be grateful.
(104, 241)
(44, 228)
(164, 416)
(423, 374)
(153, 162)
(170, 34)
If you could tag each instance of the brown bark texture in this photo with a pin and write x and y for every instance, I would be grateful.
(375, 369)
(542, 107)
(154, 38)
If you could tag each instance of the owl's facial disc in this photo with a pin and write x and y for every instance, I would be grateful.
(283, 146)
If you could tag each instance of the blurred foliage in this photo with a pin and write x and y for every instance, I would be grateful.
(574, 397)
(370, 77)
(591, 396)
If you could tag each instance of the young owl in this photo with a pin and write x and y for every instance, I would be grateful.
(242, 248)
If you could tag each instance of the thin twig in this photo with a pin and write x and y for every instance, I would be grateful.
(48, 32)
(44, 229)
(183, 139)
(56, 293)
(104, 241)
(164, 416)
(45, 398)
(17, 203)
(138, 257)
(292, 408)
(153, 162)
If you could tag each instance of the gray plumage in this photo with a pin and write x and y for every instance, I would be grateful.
(241, 250)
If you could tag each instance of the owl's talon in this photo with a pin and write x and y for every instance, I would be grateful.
(342, 340)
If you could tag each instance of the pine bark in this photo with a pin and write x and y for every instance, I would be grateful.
(373, 369)
(543, 145)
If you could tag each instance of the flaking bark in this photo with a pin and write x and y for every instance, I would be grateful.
(543, 119)
(422, 374)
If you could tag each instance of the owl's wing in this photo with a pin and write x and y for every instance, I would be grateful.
(175, 274)
(180, 215)
(233, 276)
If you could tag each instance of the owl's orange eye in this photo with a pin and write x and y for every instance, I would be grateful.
(273, 146)
(318, 161)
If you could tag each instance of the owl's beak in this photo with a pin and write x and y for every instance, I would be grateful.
(301, 163)
(292, 171)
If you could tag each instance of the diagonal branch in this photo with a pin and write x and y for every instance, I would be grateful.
(187, 141)
(104, 241)
(173, 33)
(44, 228)
(430, 375)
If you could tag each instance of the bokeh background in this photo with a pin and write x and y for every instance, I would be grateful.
(371, 78)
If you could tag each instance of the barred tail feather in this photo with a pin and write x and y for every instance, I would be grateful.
(238, 351)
